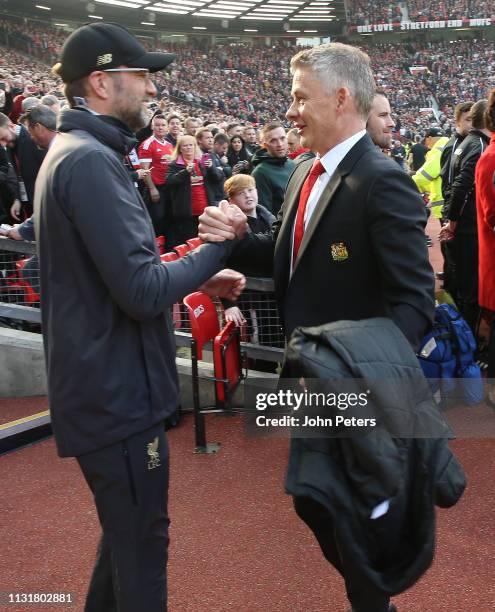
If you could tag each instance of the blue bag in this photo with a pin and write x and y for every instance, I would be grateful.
(447, 357)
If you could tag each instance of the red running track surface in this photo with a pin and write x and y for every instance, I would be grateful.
(236, 543)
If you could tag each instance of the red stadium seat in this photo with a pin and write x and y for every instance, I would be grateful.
(227, 361)
(194, 243)
(30, 295)
(169, 257)
(182, 249)
(203, 318)
(160, 243)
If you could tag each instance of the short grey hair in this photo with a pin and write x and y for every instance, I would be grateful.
(49, 100)
(341, 65)
(29, 103)
(43, 115)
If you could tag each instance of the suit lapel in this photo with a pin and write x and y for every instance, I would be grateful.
(345, 166)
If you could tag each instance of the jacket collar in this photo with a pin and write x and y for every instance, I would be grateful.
(479, 134)
(108, 130)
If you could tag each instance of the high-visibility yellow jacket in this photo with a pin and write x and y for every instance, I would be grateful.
(428, 179)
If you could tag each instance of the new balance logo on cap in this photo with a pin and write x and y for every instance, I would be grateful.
(104, 59)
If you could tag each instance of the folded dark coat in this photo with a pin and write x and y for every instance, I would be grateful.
(404, 459)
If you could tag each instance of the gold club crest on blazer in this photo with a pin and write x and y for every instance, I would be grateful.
(339, 252)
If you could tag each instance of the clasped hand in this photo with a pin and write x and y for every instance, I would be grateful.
(227, 284)
(223, 222)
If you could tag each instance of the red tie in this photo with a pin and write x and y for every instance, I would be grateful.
(316, 169)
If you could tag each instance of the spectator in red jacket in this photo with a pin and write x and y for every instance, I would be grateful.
(485, 207)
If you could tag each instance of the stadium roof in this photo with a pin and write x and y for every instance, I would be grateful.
(262, 17)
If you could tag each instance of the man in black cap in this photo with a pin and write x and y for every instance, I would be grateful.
(107, 331)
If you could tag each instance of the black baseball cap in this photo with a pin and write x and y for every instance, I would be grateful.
(104, 45)
(434, 132)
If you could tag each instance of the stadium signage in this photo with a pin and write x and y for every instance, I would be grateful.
(422, 25)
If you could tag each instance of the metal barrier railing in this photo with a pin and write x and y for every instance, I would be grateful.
(19, 282)
(262, 336)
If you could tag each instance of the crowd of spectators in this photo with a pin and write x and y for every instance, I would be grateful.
(226, 91)
(428, 10)
(449, 78)
(250, 83)
(363, 12)
(31, 37)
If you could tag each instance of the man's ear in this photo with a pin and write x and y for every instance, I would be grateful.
(99, 84)
(342, 96)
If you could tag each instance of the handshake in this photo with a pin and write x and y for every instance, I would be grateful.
(223, 222)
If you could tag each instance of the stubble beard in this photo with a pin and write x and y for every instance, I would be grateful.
(133, 116)
(129, 109)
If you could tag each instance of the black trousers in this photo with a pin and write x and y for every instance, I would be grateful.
(129, 481)
(364, 597)
(158, 211)
(449, 277)
(465, 256)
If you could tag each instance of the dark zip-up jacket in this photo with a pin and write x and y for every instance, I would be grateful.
(447, 165)
(218, 192)
(27, 158)
(109, 344)
(462, 202)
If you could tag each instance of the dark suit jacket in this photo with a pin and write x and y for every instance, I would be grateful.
(363, 253)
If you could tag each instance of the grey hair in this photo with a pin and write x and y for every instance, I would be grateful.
(29, 103)
(341, 65)
(49, 100)
(43, 115)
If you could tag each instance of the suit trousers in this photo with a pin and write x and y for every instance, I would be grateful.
(363, 596)
(129, 482)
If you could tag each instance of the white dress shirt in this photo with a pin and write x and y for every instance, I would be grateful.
(330, 161)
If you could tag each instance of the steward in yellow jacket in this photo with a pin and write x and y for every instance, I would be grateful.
(427, 178)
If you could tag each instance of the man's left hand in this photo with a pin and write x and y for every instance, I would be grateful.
(448, 231)
(227, 284)
(14, 233)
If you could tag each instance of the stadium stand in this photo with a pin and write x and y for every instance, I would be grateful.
(362, 12)
(250, 82)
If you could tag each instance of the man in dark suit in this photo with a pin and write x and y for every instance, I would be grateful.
(349, 239)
